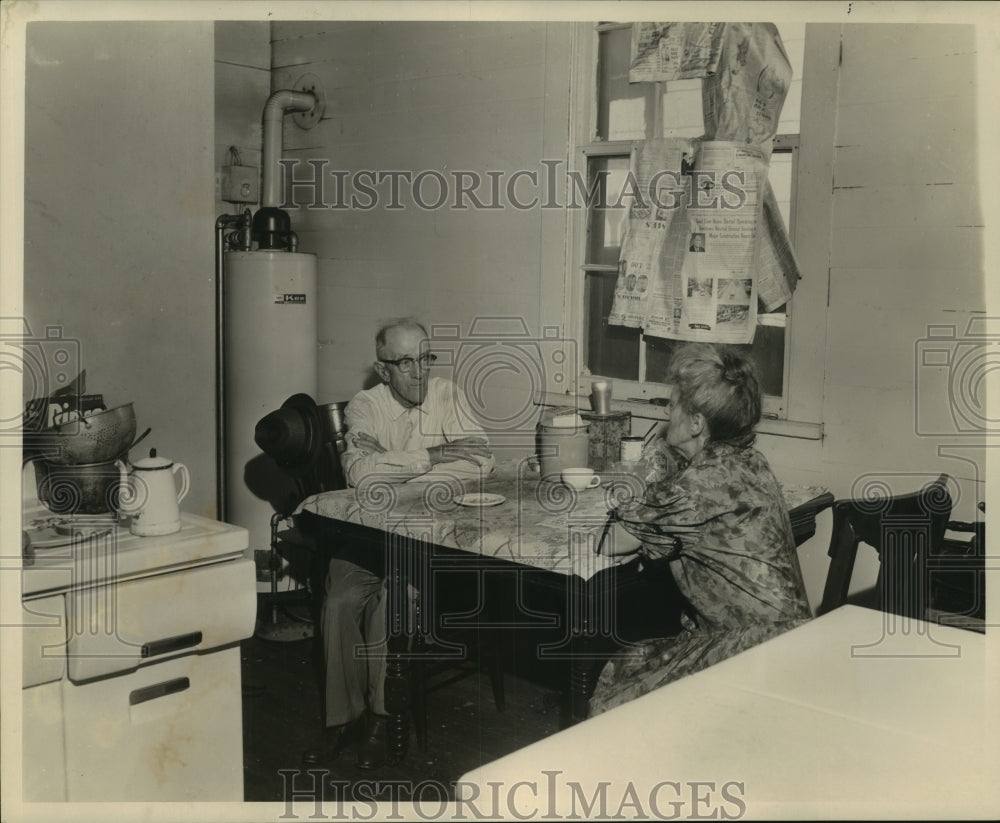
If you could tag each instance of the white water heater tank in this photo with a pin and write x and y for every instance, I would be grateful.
(270, 354)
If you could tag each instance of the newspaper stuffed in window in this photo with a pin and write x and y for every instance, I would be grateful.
(742, 101)
(703, 245)
(658, 190)
(690, 254)
(674, 51)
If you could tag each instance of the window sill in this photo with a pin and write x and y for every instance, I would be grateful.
(651, 411)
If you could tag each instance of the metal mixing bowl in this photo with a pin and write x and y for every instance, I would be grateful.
(83, 488)
(102, 436)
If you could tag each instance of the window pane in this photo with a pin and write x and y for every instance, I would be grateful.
(767, 353)
(793, 38)
(605, 221)
(612, 351)
(779, 173)
(682, 110)
(658, 352)
(621, 106)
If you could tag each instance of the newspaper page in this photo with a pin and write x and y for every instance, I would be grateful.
(777, 267)
(718, 250)
(658, 190)
(674, 51)
(742, 101)
(666, 303)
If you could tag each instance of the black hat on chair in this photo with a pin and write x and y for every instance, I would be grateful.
(292, 435)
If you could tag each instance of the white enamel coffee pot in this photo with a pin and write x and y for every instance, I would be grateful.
(149, 494)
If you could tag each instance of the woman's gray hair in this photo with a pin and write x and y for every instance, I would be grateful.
(719, 383)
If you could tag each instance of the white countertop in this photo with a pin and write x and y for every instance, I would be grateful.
(857, 714)
(120, 555)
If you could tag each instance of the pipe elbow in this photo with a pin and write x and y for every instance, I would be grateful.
(280, 102)
(285, 100)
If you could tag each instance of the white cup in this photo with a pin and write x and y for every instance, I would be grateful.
(581, 479)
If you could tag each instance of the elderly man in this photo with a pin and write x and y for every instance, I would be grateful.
(405, 429)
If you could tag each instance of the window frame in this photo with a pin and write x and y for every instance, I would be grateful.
(805, 344)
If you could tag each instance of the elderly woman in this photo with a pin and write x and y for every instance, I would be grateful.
(715, 513)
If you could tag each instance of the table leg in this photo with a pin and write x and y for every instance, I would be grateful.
(397, 670)
(583, 675)
(397, 701)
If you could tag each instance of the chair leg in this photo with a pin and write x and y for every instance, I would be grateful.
(838, 578)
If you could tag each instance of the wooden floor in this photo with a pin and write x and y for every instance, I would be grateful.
(282, 713)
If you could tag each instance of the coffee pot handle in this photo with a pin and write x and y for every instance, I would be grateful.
(185, 480)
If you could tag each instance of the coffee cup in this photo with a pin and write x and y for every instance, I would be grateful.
(581, 479)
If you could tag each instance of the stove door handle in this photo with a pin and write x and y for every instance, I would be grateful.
(170, 644)
(147, 693)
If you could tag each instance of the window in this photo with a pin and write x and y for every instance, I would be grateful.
(619, 116)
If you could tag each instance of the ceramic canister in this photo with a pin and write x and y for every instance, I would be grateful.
(562, 447)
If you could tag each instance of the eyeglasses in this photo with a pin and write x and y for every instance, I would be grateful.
(406, 364)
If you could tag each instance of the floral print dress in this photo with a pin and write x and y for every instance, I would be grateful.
(721, 521)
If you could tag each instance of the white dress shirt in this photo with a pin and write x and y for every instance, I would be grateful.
(407, 433)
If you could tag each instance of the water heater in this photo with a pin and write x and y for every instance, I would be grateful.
(271, 353)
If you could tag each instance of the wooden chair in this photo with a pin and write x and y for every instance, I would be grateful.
(407, 683)
(438, 666)
(958, 577)
(906, 530)
(302, 548)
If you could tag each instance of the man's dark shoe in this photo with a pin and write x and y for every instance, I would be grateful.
(332, 742)
(373, 748)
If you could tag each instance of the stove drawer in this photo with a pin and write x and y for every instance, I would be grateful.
(168, 732)
(43, 640)
(118, 628)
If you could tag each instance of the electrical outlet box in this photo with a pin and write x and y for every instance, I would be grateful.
(240, 184)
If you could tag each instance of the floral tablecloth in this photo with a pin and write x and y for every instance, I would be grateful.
(542, 524)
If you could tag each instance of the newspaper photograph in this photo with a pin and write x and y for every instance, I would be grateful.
(674, 51)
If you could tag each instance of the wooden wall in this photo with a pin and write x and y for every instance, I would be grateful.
(905, 239)
(436, 97)
(242, 86)
(901, 221)
(118, 221)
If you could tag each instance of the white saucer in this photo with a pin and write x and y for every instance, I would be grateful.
(484, 499)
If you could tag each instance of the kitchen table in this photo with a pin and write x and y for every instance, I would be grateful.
(856, 714)
(529, 545)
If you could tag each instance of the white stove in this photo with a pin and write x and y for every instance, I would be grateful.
(131, 687)
(66, 552)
